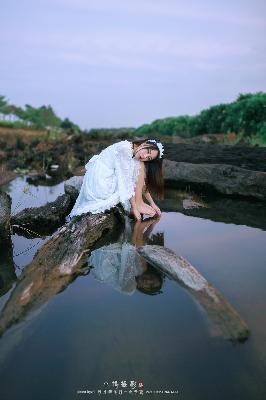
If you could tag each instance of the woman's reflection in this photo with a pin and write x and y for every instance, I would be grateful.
(119, 264)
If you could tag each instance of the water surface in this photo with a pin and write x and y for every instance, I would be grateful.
(91, 333)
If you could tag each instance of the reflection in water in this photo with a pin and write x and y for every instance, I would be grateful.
(229, 210)
(87, 334)
(37, 286)
(24, 195)
(119, 264)
(7, 268)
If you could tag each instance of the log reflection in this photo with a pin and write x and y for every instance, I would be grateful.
(61, 260)
(7, 267)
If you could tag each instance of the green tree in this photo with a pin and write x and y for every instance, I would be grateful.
(3, 106)
(68, 125)
(246, 116)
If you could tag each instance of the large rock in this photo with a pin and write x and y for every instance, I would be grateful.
(72, 186)
(252, 158)
(43, 220)
(221, 178)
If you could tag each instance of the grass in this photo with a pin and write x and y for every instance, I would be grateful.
(253, 140)
(14, 124)
(256, 140)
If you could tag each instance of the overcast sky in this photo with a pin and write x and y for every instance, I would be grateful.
(113, 63)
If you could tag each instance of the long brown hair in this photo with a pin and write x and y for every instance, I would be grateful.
(154, 169)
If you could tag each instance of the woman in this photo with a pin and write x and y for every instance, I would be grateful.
(118, 175)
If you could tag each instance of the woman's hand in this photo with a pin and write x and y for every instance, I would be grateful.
(156, 209)
(152, 204)
(144, 208)
(136, 214)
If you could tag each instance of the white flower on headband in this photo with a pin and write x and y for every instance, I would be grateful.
(159, 145)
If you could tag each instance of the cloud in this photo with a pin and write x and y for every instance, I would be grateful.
(148, 57)
(203, 10)
(126, 49)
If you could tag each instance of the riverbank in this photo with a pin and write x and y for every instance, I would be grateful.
(204, 163)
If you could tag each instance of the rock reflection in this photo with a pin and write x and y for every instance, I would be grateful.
(219, 209)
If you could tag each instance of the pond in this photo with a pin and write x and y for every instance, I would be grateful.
(103, 332)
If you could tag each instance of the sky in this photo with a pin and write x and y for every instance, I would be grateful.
(123, 63)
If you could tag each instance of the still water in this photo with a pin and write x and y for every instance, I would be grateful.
(98, 331)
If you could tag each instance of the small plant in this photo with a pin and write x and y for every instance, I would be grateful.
(46, 162)
(20, 170)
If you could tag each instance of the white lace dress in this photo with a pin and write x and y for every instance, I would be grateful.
(110, 179)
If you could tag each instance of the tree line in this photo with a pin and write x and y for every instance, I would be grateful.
(43, 117)
(245, 116)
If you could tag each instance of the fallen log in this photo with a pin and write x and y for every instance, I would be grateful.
(252, 158)
(56, 264)
(5, 213)
(216, 178)
(225, 319)
(7, 268)
(42, 221)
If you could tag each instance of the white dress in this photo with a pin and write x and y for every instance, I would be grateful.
(110, 179)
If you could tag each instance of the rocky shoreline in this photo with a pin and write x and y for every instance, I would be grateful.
(204, 167)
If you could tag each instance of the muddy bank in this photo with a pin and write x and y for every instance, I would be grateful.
(6, 175)
(36, 150)
(57, 158)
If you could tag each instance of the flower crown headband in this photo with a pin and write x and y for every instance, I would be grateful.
(159, 145)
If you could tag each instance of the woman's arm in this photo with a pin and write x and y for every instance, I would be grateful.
(148, 197)
(151, 202)
(134, 208)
